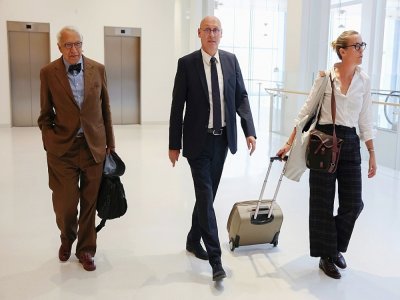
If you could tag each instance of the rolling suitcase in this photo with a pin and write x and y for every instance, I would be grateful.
(256, 222)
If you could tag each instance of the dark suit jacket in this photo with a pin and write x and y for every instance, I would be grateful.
(190, 89)
(60, 117)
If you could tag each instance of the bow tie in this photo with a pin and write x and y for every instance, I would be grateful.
(77, 68)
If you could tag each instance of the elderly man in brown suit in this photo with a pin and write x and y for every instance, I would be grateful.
(75, 121)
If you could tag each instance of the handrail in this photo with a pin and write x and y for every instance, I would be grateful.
(286, 91)
(278, 94)
(381, 92)
(304, 93)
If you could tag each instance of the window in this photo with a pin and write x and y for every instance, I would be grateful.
(255, 31)
(344, 16)
(390, 78)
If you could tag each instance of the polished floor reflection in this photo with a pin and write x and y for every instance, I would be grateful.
(142, 255)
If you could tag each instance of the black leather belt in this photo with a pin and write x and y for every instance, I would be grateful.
(215, 131)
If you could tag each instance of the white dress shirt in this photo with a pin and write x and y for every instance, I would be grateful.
(354, 109)
(77, 83)
(207, 69)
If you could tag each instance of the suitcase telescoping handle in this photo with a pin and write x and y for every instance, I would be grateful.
(271, 160)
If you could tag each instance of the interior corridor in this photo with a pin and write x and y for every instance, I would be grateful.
(142, 255)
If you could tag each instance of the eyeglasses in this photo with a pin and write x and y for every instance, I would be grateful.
(70, 45)
(209, 30)
(358, 46)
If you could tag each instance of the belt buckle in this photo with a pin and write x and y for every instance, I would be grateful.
(217, 131)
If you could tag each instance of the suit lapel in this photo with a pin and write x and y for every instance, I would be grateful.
(88, 77)
(63, 78)
(202, 74)
(225, 68)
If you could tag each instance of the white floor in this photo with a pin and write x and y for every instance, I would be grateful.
(142, 255)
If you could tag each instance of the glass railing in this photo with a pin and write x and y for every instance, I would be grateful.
(386, 111)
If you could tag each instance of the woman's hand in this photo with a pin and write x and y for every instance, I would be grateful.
(285, 149)
(372, 161)
(371, 165)
(288, 145)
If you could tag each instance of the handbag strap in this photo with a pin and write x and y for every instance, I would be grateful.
(335, 149)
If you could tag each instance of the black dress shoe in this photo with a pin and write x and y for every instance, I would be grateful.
(328, 266)
(340, 261)
(218, 272)
(197, 250)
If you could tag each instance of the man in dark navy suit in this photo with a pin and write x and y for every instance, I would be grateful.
(210, 84)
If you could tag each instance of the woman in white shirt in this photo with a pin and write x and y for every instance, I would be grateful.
(329, 234)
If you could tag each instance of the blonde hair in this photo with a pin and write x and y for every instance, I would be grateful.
(341, 41)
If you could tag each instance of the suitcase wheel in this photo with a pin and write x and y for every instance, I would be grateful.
(275, 239)
(232, 244)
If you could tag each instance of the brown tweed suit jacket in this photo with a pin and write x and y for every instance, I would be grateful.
(60, 117)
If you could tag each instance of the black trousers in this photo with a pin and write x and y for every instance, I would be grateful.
(206, 172)
(331, 233)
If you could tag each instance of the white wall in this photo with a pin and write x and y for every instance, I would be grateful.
(156, 18)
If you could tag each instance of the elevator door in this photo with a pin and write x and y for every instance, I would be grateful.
(122, 61)
(29, 51)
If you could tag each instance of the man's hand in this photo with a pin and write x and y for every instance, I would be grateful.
(173, 156)
(108, 150)
(251, 144)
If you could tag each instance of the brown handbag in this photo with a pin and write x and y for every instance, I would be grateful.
(323, 150)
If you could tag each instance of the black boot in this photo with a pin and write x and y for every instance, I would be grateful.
(218, 272)
(197, 250)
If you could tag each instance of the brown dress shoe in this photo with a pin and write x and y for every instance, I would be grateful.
(64, 252)
(87, 261)
(327, 265)
(340, 261)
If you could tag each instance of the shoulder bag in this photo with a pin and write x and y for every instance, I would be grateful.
(296, 162)
(323, 150)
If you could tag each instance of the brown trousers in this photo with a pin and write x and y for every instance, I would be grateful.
(75, 179)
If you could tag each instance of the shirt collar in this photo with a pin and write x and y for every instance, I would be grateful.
(333, 73)
(207, 57)
(66, 64)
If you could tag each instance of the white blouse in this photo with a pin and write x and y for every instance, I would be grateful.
(352, 110)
